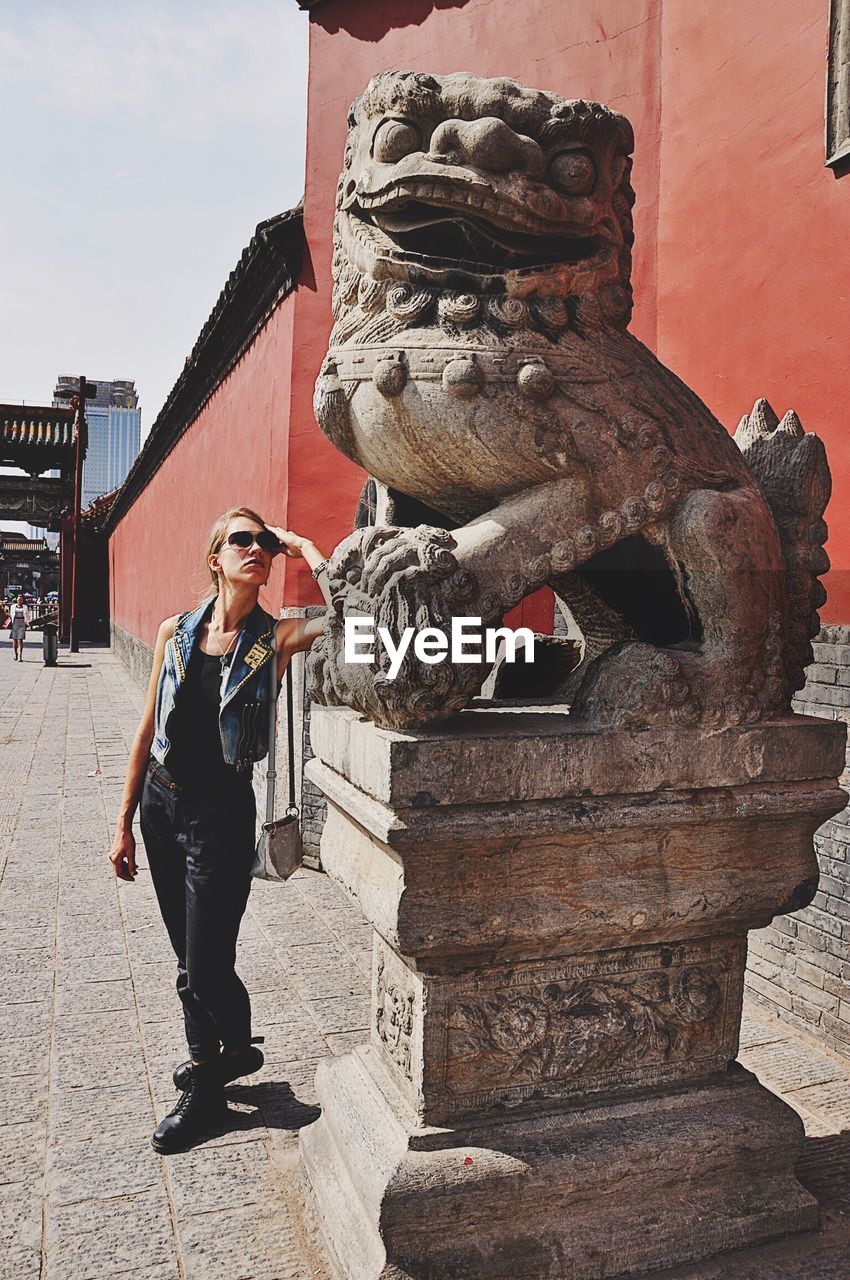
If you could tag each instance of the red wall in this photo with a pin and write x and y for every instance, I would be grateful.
(754, 268)
(234, 454)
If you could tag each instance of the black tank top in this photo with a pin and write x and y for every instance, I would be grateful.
(195, 756)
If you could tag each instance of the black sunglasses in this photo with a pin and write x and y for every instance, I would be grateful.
(244, 538)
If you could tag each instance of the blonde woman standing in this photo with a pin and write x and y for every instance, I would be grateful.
(204, 725)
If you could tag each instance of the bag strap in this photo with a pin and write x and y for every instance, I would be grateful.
(271, 772)
(290, 738)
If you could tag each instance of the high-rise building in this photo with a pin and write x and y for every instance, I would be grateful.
(114, 433)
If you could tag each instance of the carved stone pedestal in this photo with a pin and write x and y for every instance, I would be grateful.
(560, 922)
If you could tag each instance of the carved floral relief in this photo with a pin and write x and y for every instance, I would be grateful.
(394, 1004)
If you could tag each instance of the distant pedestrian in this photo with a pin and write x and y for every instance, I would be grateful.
(204, 724)
(20, 616)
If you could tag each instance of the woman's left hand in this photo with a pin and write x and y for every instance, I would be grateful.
(292, 544)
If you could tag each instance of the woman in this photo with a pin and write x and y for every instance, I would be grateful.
(204, 724)
(20, 615)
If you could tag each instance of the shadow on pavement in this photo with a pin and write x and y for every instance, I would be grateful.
(276, 1103)
(824, 1170)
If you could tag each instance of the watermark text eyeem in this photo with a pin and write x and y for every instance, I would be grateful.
(468, 642)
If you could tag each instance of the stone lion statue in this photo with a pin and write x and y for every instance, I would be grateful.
(481, 369)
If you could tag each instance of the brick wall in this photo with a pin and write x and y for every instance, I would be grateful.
(134, 653)
(313, 804)
(800, 965)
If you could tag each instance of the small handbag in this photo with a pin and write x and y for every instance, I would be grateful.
(278, 851)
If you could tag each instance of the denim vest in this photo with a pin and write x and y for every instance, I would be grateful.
(243, 717)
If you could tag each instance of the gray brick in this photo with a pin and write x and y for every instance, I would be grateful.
(838, 1029)
(810, 973)
(767, 951)
(773, 994)
(827, 846)
(769, 972)
(800, 707)
(839, 907)
(788, 980)
(838, 835)
(815, 996)
(826, 695)
(809, 707)
(821, 673)
(821, 920)
(814, 938)
(829, 962)
(808, 1012)
(837, 986)
(833, 886)
(829, 652)
(840, 823)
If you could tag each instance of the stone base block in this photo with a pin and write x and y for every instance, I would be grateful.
(609, 1190)
(510, 1036)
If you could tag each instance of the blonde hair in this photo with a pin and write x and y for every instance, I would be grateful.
(218, 533)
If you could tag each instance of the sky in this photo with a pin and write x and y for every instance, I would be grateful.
(140, 144)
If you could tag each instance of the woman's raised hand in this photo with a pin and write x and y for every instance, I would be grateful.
(292, 544)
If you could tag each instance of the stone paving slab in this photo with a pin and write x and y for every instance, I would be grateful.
(90, 1030)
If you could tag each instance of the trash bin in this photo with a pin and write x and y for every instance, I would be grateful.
(50, 643)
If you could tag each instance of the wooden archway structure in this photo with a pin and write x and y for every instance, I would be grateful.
(39, 439)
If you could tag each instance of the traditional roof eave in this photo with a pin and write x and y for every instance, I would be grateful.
(17, 544)
(266, 272)
(314, 4)
(37, 438)
(95, 515)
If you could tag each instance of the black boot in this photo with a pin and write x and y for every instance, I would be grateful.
(229, 1066)
(199, 1107)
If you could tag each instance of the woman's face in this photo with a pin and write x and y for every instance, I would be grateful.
(243, 564)
(20, 600)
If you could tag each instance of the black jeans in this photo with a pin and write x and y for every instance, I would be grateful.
(200, 845)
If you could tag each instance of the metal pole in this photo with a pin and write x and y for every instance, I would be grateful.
(75, 519)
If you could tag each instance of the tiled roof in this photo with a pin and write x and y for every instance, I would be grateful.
(17, 544)
(95, 514)
(36, 437)
(265, 273)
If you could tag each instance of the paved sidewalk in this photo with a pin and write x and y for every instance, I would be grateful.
(91, 1030)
